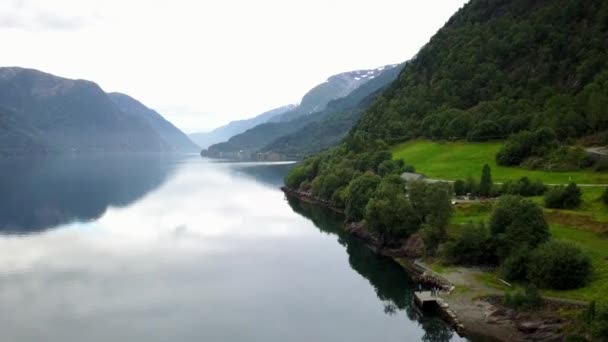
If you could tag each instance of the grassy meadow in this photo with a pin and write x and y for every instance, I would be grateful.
(459, 160)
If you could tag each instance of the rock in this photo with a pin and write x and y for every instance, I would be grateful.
(545, 337)
(550, 328)
(528, 327)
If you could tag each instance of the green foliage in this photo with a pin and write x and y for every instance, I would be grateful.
(515, 266)
(559, 265)
(358, 194)
(485, 185)
(524, 145)
(389, 212)
(523, 187)
(459, 188)
(599, 322)
(529, 299)
(561, 197)
(470, 247)
(295, 177)
(509, 66)
(605, 196)
(517, 223)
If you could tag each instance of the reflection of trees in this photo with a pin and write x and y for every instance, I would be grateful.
(41, 193)
(267, 174)
(391, 283)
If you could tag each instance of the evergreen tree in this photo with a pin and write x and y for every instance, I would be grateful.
(485, 185)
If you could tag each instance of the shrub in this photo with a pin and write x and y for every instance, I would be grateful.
(559, 265)
(601, 165)
(599, 325)
(470, 247)
(523, 187)
(605, 196)
(528, 299)
(515, 266)
(459, 188)
(560, 197)
(517, 222)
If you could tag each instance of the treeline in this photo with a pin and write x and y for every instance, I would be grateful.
(542, 150)
(368, 186)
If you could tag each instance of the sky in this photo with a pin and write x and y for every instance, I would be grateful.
(202, 64)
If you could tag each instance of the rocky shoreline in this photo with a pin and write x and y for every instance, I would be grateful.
(469, 314)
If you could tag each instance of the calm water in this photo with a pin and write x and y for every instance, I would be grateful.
(158, 249)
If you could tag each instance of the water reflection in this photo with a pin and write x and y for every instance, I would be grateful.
(270, 174)
(41, 193)
(391, 284)
(214, 253)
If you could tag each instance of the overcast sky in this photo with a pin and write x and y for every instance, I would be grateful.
(204, 63)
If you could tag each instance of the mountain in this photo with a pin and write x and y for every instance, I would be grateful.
(233, 128)
(347, 89)
(336, 86)
(171, 135)
(43, 113)
(341, 115)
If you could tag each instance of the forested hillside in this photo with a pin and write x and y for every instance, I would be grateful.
(498, 67)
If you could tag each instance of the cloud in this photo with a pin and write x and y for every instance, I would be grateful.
(22, 15)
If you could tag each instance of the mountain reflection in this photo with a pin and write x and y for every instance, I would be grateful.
(391, 284)
(41, 193)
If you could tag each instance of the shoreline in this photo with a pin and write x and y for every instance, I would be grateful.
(471, 308)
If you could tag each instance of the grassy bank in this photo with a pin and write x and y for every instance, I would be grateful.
(459, 160)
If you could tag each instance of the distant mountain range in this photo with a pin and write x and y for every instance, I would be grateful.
(233, 128)
(43, 113)
(324, 116)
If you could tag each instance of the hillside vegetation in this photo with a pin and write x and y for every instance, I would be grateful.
(499, 67)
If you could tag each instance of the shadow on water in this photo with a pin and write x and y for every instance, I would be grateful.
(41, 193)
(391, 283)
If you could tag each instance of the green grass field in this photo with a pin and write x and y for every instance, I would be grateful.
(459, 160)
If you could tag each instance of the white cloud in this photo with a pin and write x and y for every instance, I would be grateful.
(232, 58)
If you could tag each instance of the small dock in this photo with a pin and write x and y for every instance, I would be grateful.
(426, 300)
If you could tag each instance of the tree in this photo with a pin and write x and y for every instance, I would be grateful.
(459, 188)
(485, 185)
(358, 194)
(470, 247)
(438, 203)
(559, 265)
(389, 212)
(517, 223)
(560, 197)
